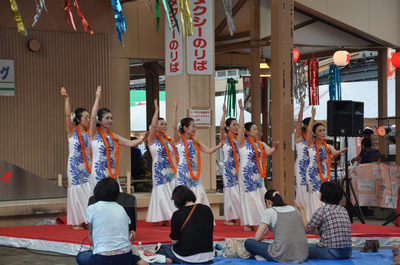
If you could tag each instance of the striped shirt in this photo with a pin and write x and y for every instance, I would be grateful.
(333, 224)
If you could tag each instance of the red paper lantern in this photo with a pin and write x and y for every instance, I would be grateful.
(396, 60)
(296, 54)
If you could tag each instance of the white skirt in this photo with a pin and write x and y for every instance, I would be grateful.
(161, 206)
(77, 203)
(232, 208)
(252, 207)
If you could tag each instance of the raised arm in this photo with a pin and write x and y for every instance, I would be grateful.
(222, 136)
(68, 122)
(92, 126)
(130, 143)
(297, 135)
(241, 140)
(210, 150)
(175, 123)
(335, 152)
(269, 151)
(300, 207)
(310, 126)
(154, 121)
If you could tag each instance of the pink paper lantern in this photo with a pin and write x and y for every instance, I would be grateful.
(341, 58)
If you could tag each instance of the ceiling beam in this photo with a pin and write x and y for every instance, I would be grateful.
(239, 35)
(235, 10)
(232, 60)
(240, 45)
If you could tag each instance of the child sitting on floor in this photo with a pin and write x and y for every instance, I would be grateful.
(332, 223)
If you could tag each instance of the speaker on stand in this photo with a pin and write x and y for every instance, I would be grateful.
(346, 118)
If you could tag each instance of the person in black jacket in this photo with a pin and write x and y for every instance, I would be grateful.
(192, 227)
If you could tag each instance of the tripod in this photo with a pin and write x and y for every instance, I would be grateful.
(346, 182)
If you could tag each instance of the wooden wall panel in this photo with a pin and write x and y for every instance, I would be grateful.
(33, 132)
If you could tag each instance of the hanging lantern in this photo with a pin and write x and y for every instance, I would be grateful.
(341, 58)
(296, 54)
(396, 59)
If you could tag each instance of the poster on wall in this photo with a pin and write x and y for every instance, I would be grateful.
(200, 48)
(7, 87)
(173, 43)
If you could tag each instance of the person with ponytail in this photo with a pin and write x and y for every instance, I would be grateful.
(252, 171)
(229, 129)
(318, 170)
(188, 149)
(165, 160)
(290, 240)
(105, 144)
(79, 164)
(302, 159)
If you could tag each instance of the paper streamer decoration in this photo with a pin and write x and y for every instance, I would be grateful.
(84, 22)
(230, 97)
(17, 17)
(300, 80)
(313, 85)
(165, 3)
(187, 24)
(335, 89)
(229, 16)
(120, 22)
(68, 12)
(39, 7)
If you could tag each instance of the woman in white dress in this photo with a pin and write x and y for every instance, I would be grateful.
(318, 171)
(302, 159)
(252, 171)
(105, 144)
(229, 129)
(188, 149)
(162, 151)
(79, 164)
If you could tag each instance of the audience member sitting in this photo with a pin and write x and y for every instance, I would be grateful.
(365, 157)
(108, 229)
(192, 227)
(392, 145)
(332, 223)
(290, 241)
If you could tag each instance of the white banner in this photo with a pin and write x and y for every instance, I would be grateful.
(7, 87)
(200, 48)
(173, 43)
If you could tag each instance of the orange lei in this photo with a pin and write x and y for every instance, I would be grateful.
(167, 150)
(304, 135)
(188, 159)
(263, 172)
(83, 147)
(328, 173)
(234, 152)
(108, 152)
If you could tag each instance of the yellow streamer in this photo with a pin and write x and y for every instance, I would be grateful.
(182, 18)
(189, 18)
(17, 17)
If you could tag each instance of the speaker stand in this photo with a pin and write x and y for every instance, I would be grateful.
(350, 191)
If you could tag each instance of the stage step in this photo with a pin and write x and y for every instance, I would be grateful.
(31, 212)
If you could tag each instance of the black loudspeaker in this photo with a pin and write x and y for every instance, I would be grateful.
(345, 118)
(127, 201)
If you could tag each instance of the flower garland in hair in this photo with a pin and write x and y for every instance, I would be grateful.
(328, 173)
(263, 172)
(196, 145)
(167, 150)
(108, 152)
(83, 147)
(234, 152)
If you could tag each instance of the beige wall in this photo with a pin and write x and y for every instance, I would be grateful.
(378, 18)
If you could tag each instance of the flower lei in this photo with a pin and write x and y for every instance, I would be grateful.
(304, 135)
(196, 145)
(83, 147)
(167, 150)
(234, 152)
(108, 152)
(263, 172)
(328, 173)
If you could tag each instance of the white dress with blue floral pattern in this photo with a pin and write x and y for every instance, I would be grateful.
(230, 180)
(300, 171)
(314, 181)
(251, 186)
(99, 165)
(161, 206)
(183, 176)
(78, 180)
